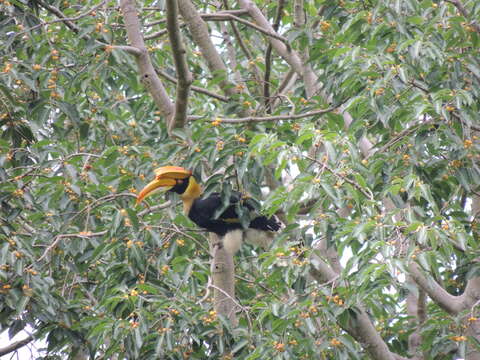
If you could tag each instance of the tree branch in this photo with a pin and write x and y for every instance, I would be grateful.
(450, 303)
(309, 78)
(223, 275)
(415, 304)
(184, 75)
(16, 345)
(463, 11)
(206, 16)
(268, 58)
(199, 31)
(243, 47)
(290, 56)
(81, 235)
(148, 75)
(250, 119)
(262, 30)
(62, 17)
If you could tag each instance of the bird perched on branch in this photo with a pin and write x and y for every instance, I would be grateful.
(233, 219)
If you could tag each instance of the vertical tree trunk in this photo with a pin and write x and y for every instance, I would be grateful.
(223, 276)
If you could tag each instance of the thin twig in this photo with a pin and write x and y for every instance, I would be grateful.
(82, 235)
(151, 209)
(194, 88)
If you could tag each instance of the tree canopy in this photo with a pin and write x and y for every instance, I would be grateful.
(355, 122)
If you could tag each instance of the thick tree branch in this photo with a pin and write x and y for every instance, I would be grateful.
(199, 31)
(310, 81)
(223, 275)
(450, 303)
(147, 72)
(16, 345)
(268, 58)
(415, 304)
(183, 73)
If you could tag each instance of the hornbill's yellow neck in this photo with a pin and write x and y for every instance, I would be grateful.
(192, 192)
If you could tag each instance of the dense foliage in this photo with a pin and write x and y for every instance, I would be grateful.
(86, 269)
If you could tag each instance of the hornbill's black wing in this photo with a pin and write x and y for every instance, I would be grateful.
(204, 213)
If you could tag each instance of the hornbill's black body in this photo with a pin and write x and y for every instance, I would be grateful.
(206, 212)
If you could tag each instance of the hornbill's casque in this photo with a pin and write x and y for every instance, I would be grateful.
(203, 211)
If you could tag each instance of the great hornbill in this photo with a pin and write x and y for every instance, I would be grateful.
(204, 211)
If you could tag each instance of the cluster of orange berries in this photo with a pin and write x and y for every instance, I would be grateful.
(55, 54)
(7, 68)
(280, 347)
(174, 312)
(456, 163)
(325, 25)
(240, 138)
(336, 299)
(163, 330)
(31, 271)
(134, 324)
(210, 318)
(165, 269)
(216, 122)
(392, 48)
(458, 338)
(296, 127)
(18, 193)
(180, 242)
(335, 342)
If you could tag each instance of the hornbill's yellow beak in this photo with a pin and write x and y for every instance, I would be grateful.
(165, 177)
